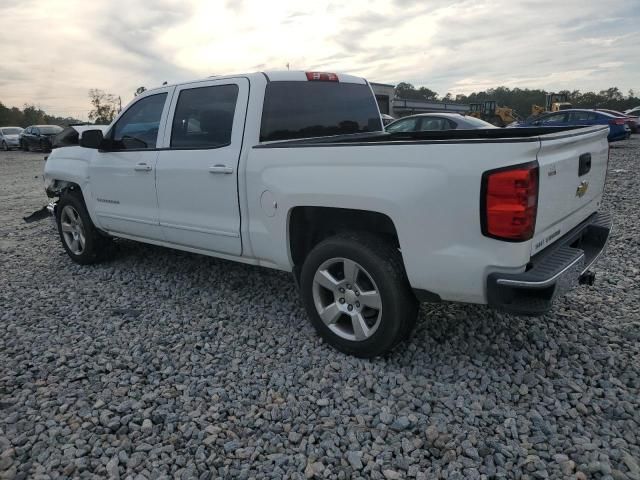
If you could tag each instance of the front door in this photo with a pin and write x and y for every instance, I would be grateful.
(197, 171)
(123, 179)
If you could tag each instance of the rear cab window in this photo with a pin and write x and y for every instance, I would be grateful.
(305, 109)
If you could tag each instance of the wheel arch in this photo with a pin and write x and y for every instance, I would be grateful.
(309, 225)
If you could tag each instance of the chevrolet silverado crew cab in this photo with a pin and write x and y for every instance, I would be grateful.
(293, 171)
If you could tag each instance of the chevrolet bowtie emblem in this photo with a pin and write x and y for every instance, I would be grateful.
(582, 189)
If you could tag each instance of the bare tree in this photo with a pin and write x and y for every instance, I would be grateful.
(105, 106)
(140, 90)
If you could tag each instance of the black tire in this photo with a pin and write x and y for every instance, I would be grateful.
(381, 263)
(96, 246)
(5, 147)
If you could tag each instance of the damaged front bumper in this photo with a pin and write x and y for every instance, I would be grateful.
(48, 211)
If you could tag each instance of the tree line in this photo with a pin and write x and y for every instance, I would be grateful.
(31, 115)
(521, 99)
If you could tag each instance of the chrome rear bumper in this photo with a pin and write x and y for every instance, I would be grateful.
(552, 272)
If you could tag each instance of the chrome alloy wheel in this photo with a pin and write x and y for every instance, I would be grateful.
(347, 299)
(72, 230)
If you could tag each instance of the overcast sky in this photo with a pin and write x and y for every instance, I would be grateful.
(53, 51)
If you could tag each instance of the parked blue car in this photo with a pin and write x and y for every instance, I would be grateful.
(618, 129)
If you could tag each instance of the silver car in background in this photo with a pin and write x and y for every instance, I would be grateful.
(427, 122)
(9, 137)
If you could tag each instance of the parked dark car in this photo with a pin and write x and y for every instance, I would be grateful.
(426, 122)
(38, 137)
(633, 122)
(618, 128)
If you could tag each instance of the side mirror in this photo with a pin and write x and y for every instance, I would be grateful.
(91, 139)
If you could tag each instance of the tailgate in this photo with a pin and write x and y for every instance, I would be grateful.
(573, 167)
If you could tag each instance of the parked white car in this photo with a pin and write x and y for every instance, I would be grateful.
(634, 112)
(10, 137)
(291, 170)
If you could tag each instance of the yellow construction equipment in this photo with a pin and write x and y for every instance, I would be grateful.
(553, 102)
(489, 111)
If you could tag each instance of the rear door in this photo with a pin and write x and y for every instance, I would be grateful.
(573, 166)
(197, 173)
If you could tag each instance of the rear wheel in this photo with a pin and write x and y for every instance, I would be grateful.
(80, 238)
(5, 147)
(357, 295)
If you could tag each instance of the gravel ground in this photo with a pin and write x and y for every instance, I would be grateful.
(161, 364)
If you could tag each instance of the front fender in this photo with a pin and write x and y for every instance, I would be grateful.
(70, 165)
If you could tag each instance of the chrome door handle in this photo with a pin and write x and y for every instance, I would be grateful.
(220, 169)
(142, 167)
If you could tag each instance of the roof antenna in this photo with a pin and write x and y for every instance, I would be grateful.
(287, 65)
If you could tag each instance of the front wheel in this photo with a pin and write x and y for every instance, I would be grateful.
(80, 238)
(357, 295)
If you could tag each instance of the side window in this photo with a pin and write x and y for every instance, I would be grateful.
(138, 126)
(583, 116)
(35, 131)
(431, 123)
(555, 118)
(204, 117)
(408, 125)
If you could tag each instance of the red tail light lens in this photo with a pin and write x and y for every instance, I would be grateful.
(510, 202)
(322, 76)
(617, 121)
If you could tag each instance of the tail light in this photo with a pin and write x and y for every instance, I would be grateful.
(617, 121)
(509, 202)
(322, 76)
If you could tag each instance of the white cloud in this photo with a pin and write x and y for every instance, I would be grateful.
(55, 50)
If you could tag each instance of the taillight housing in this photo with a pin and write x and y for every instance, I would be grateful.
(509, 202)
(617, 121)
(321, 77)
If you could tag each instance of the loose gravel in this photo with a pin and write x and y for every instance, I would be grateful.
(162, 364)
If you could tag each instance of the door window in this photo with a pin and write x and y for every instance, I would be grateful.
(555, 118)
(408, 125)
(137, 129)
(431, 123)
(583, 116)
(204, 117)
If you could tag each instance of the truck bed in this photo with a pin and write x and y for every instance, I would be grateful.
(489, 135)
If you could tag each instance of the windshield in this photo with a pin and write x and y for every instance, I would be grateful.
(11, 131)
(46, 129)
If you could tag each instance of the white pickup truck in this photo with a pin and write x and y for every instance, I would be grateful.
(293, 171)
